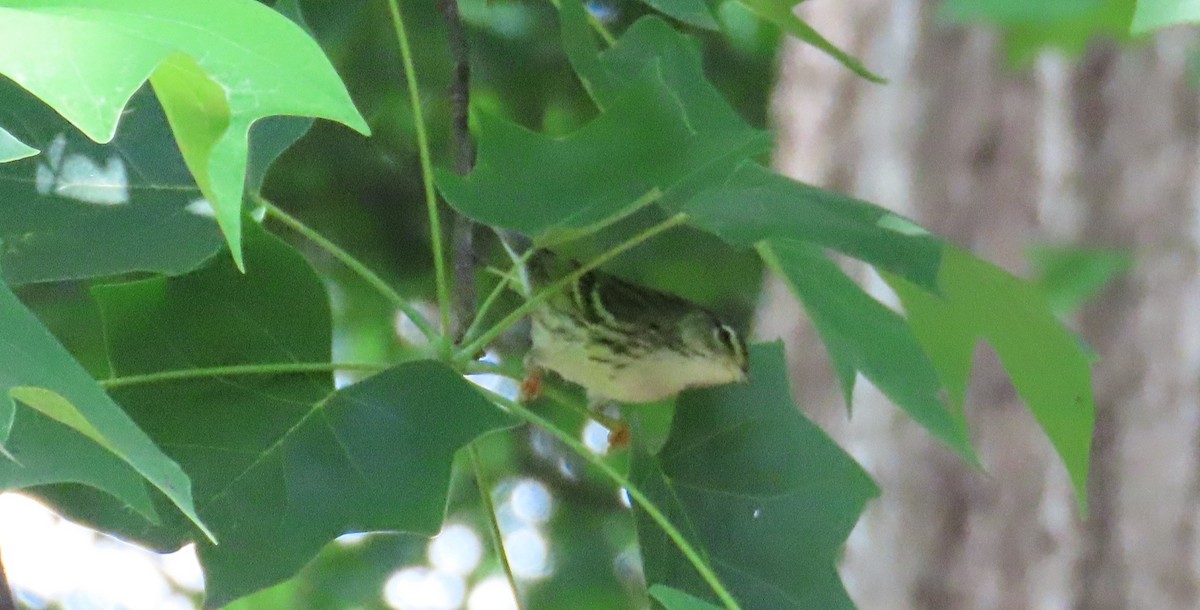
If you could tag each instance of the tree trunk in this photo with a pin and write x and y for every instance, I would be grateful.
(1102, 151)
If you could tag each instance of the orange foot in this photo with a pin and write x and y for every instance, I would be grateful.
(619, 436)
(531, 387)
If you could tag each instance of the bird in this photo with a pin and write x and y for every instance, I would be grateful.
(625, 342)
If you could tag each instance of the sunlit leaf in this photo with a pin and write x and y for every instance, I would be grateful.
(863, 336)
(217, 67)
(1048, 367)
(766, 496)
(12, 149)
(57, 424)
(282, 464)
(1154, 14)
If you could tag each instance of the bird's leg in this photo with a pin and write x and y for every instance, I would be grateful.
(619, 434)
(531, 386)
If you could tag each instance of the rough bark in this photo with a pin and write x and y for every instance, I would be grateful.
(1102, 150)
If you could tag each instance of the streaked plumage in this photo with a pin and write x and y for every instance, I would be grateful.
(625, 342)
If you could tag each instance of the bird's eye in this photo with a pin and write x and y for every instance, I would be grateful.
(733, 344)
(727, 337)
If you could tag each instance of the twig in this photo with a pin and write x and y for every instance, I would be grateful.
(6, 595)
(464, 160)
(485, 496)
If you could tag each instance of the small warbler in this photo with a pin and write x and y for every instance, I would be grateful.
(624, 342)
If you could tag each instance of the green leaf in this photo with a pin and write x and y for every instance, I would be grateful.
(217, 67)
(766, 496)
(756, 204)
(648, 43)
(83, 210)
(691, 12)
(864, 336)
(782, 13)
(1032, 25)
(674, 599)
(643, 144)
(1154, 14)
(1070, 275)
(12, 149)
(1049, 368)
(282, 464)
(57, 424)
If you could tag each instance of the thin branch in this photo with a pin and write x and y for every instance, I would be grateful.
(485, 496)
(354, 265)
(280, 368)
(464, 159)
(468, 352)
(6, 595)
(690, 552)
(435, 223)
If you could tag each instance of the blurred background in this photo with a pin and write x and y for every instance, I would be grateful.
(1030, 132)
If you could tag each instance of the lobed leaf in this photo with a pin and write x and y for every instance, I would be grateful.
(283, 464)
(642, 144)
(747, 478)
(1048, 367)
(216, 66)
(755, 204)
(58, 425)
(862, 335)
(81, 209)
(783, 14)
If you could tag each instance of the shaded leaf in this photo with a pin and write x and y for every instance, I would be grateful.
(756, 204)
(643, 144)
(674, 599)
(57, 424)
(283, 464)
(782, 13)
(746, 477)
(691, 12)
(1049, 368)
(862, 335)
(217, 67)
(647, 43)
(81, 209)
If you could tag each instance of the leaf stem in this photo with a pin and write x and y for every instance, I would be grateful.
(468, 352)
(354, 265)
(485, 496)
(486, 307)
(273, 368)
(693, 556)
(444, 343)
